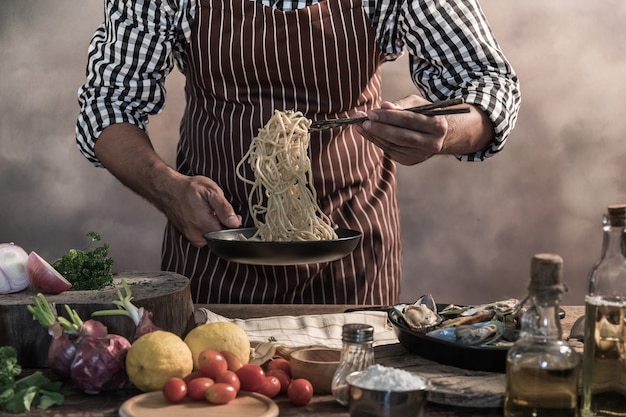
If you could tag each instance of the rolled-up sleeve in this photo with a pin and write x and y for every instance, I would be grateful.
(453, 53)
(129, 57)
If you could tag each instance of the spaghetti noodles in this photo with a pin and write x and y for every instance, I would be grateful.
(282, 201)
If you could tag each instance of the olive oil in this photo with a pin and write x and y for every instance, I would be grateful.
(604, 361)
(604, 357)
(542, 369)
(533, 391)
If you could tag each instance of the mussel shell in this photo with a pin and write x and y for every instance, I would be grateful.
(422, 315)
(478, 334)
(501, 307)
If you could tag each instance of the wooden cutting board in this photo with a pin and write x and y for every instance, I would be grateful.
(153, 404)
(166, 294)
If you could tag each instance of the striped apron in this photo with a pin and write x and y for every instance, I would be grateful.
(244, 61)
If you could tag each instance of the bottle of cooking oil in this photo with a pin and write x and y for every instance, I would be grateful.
(542, 369)
(604, 358)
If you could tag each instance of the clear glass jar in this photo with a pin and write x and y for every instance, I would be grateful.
(357, 354)
(542, 369)
(604, 358)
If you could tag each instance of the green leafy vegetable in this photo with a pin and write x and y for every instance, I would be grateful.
(87, 269)
(33, 390)
(9, 368)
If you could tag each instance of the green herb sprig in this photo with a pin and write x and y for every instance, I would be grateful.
(89, 268)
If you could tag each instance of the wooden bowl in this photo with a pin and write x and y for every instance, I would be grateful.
(318, 365)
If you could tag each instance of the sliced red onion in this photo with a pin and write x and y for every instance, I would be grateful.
(43, 277)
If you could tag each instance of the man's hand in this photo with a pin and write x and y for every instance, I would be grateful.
(410, 138)
(197, 206)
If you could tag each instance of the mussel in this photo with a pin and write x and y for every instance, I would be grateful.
(421, 315)
(471, 334)
(480, 333)
(501, 307)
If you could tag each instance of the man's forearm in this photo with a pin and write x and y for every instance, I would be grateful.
(126, 151)
(468, 132)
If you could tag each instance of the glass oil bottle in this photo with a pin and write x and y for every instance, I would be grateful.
(542, 369)
(357, 354)
(604, 358)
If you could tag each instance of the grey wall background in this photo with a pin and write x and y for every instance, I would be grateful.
(470, 229)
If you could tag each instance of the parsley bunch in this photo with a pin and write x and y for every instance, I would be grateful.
(33, 390)
(87, 269)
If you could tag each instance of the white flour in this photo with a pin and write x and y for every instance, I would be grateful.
(378, 377)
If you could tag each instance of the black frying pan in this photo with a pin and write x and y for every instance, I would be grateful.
(232, 245)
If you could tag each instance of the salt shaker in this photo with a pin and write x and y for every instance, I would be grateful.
(357, 354)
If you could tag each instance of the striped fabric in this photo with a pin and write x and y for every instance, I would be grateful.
(253, 68)
(451, 47)
(306, 330)
(452, 53)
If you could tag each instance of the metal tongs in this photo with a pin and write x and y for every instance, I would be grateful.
(434, 109)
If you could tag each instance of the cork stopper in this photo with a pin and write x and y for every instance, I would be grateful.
(545, 270)
(617, 215)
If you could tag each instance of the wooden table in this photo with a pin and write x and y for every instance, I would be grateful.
(107, 404)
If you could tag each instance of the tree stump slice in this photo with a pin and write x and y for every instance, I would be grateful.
(166, 294)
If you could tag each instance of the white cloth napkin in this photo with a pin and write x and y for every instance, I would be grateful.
(309, 330)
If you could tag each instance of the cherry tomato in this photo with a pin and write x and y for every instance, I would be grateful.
(251, 377)
(233, 360)
(229, 377)
(221, 393)
(212, 363)
(271, 387)
(174, 390)
(284, 379)
(280, 363)
(193, 375)
(196, 390)
(300, 391)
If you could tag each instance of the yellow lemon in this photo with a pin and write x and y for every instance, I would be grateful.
(155, 357)
(219, 336)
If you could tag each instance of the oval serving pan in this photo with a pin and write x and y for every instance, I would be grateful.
(477, 358)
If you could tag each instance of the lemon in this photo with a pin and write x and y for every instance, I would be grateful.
(219, 336)
(155, 357)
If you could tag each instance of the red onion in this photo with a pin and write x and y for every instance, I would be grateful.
(93, 328)
(43, 277)
(99, 363)
(61, 351)
(13, 272)
(140, 316)
(145, 324)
